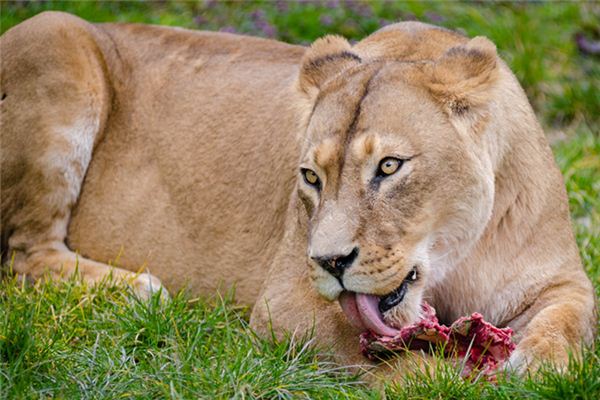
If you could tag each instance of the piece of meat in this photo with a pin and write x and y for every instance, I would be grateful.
(481, 346)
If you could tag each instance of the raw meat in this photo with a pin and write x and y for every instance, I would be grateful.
(480, 345)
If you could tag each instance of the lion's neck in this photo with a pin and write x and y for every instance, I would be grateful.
(528, 190)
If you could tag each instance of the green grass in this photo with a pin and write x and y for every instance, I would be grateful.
(65, 340)
(68, 341)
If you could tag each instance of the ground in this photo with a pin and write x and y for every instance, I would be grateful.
(68, 341)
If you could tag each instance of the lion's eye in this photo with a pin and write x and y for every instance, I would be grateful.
(388, 166)
(311, 177)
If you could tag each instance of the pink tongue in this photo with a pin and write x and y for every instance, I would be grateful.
(368, 308)
(348, 302)
(362, 311)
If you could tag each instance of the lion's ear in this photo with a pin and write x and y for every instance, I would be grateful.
(325, 58)
(462, 78)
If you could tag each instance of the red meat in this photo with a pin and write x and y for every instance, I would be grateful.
(480, 345)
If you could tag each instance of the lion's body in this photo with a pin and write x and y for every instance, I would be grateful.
(191, 168)
(182, 169)
(179, 150)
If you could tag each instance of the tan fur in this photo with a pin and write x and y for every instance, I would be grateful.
(179, 152)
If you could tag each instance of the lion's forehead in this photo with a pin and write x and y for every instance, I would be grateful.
(337, 109)
(373, 103)
(372, 116)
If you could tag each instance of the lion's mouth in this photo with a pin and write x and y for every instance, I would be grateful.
(365, 311)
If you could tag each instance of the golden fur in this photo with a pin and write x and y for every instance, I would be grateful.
(180, 151)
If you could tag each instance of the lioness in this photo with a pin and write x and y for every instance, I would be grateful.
(411, 160)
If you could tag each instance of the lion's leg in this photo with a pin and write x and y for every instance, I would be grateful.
(559, 323)
(55, 103)
(289, 305)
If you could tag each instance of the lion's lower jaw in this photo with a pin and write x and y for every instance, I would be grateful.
(407, 312)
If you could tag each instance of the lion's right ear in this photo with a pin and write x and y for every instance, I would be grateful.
(462, 78)
(325, 58)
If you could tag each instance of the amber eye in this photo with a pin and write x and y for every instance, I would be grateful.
(388, 166)
(311, 177)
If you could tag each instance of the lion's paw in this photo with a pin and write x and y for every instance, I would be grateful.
(146, 285)
(533, 353)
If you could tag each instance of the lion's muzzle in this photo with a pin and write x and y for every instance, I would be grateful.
(336, 265)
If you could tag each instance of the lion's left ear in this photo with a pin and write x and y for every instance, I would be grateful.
(462, 78)
(326, 57)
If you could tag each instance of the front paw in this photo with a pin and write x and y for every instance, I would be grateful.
(533, 353)
(145, 285)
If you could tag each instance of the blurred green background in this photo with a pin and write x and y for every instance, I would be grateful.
(538, 40)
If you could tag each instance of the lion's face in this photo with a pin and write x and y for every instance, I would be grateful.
(393, 190)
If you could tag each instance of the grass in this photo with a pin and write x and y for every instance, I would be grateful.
(68, 341)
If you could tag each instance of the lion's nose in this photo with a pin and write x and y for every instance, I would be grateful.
(336, 265)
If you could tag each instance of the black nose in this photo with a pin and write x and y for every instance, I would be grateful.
(336, 265)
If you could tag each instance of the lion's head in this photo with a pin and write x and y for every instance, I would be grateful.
(396, 173)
